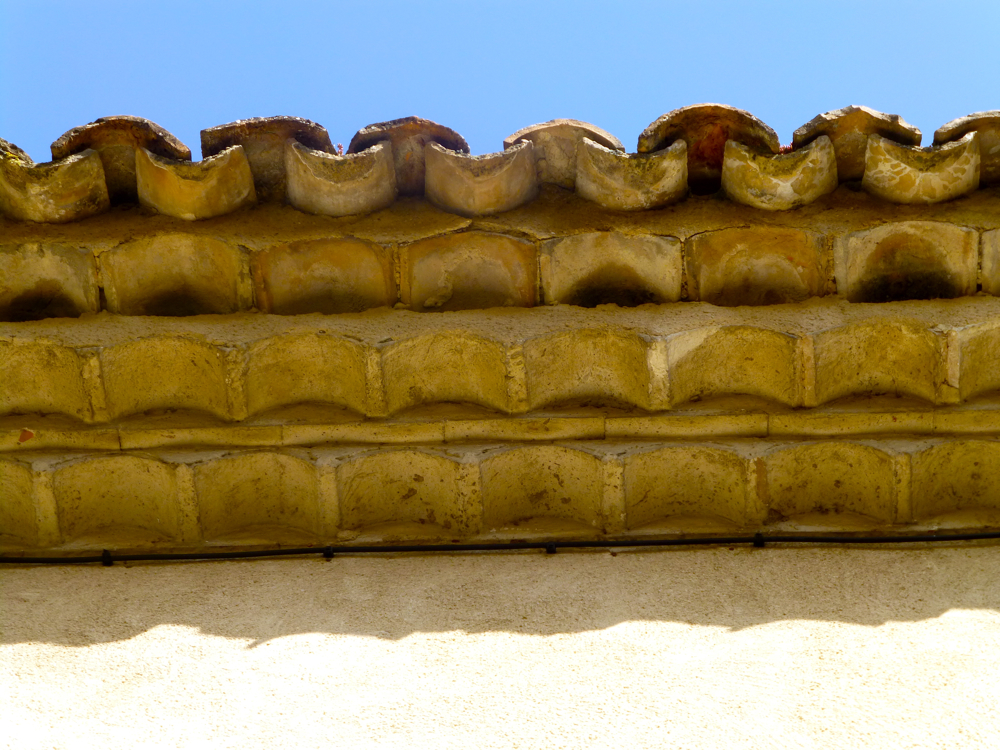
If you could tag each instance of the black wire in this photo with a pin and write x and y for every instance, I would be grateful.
(107, 557)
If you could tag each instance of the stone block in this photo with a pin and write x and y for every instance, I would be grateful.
(116, 140)
(301, 368)
(408, 137)
(631, 182)
(556, 144)
(18, 521)
(841, 422)
(124, 499)
(755, 266)
(454, 366)
(480, 185)
(176, 274)
(848, 129)
(921, 175)
(534, 486)
(682, 482)
(66, 190)
(332, 185)
(215, 186)
(979, 351)
(587, 367)
(38, 377)
(323, 276)
(782, 182)
(400, 487)
(907, 260)
(987, 125)
(599, 268)
(263, 141)
(468, 271)
(734, 360)
(960, 475)
(524, 429)
(898, 357)
(689, 426)
(811, 481)
(45, 280)
(162, 372)
(706, 128)
(369, 432)
(990, 254)
(255, 495)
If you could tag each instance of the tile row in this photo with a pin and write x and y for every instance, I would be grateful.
(179, 274)
(311, 496)
(700, 149)
(587, 363)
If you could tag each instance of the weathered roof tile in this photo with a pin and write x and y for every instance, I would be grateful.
(987, 124)
(921, 175)
(706, 128)
(849, 129)
(263, 141)
(116, 139)
(408, 136)
(214, 186)
(556, 144)
(333, 185)
(481, 185)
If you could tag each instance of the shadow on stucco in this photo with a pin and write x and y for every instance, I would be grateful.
(532, 593)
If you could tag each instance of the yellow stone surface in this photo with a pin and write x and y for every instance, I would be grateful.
(631, 182)
(411, 486)
(66, 190)
(257, 494)
(39, 377)
(689, 481)
(897, 357)
(979, 347)
(46, 280)
(831, 478)
(324, 276)
(124, 497)
(480, 185)
(468, 270)
(215, 186)
(781, 182)
(717, 361)
(452, 367)
(956, 476)
(756, 266)
(176, 274)
(610, 267)
(907, 260)
(165, 373)
(587, 367)
(990, 243)
(305, 368)
(333, 185)
(18, 521)
(912, 175)
(527, 485)
(667, 400)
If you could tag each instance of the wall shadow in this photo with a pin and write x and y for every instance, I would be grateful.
(393, 596)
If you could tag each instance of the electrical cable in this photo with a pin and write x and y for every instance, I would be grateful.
(758, 540)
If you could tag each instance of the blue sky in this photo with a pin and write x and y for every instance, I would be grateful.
(487, 69)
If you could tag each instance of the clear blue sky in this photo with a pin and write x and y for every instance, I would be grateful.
(487, 69)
